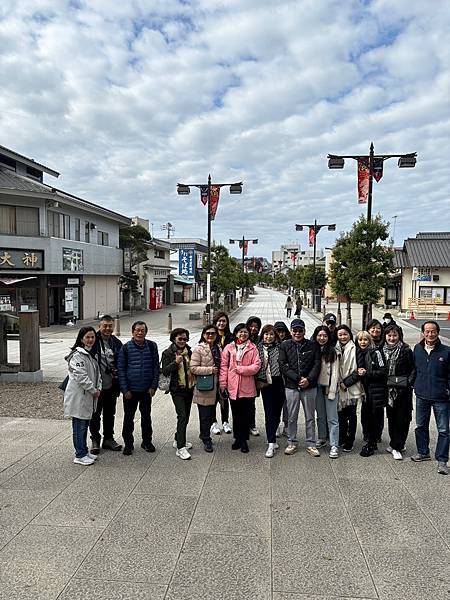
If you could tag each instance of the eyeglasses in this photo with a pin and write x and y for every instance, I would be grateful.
(210, 333)
(298, 330)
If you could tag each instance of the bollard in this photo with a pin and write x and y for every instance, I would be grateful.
(169, 323)
(117, 325)
(3, 341)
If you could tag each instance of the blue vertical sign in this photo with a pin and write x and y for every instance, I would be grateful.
(186, 262)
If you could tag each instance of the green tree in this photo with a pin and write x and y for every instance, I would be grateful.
(280, 280)
(135, 237)
(363, 264)
(226, 271)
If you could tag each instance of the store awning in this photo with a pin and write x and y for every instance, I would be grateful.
(13, 280)
(183, 280)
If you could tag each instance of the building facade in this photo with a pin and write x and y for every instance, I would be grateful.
(188, 278)
(59, 254)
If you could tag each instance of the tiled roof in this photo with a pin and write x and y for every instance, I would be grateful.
(28, 161)
(425, 250)
(11, 181)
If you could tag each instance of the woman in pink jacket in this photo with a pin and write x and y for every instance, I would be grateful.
(238, 367)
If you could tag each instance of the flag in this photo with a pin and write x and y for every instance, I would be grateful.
(245, 243)
(312, 235)
(377, 169)
(204, 194)
(215, 191)
(363, 180)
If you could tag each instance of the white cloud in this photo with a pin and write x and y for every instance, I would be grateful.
(125, 99)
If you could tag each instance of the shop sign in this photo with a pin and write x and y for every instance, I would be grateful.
(72, 259)
(12, 258)
(186, 262)
(5, 303)
(73, 281)
(68, 299)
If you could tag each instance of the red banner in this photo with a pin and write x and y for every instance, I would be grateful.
(363, 180)
(312, 235)
(215, 191)
(245, 246)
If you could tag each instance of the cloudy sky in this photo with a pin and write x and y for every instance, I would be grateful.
(127, 98)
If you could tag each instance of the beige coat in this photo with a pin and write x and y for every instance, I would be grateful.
(202, 363)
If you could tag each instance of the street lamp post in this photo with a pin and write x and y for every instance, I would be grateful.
(315, 228)
(184, 189)
(243, 244)
(374, 164)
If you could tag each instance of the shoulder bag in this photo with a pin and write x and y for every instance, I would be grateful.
(205, 383)
(397, 381)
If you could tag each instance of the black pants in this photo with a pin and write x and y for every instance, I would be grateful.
(273, 398)
(252, 413)
(143, 400)
(224, 409)
(206, 416)
(182, 400)
(366, 417)
(374, 423)
(242, 411)
(106, 404)
(347, 425)
(399, 418)
(288, 313)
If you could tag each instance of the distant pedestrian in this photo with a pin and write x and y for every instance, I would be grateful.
(432, 387)
(401, 376)
(82, 391)
(388, 320)
(327, 391)
(350, 388)
(222, 322)
(270, 382)
(373, 372)
(175, 363)
(138, 366)
(300, 365)
(240, 363)
(205, 365)
(107, 348)
(288, 306)
(254, 327)
(298, 306)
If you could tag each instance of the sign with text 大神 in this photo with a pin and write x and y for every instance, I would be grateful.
(13, 258)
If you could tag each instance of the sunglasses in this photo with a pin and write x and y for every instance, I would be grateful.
(211, 333)
(182, 339)
(298, 330)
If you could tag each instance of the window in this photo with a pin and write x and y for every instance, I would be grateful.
(77, 229)
(102, 238)
(433, 293)
(34, 173)
(160, 254)
(424, 271)
(87, 230)
(19, 220)
(7, 162)
(54, 228)
(66, 227)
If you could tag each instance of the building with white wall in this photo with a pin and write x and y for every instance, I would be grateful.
(59, 254)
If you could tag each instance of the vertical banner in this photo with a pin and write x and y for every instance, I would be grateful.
(377, 170)
(245, 245)
(186, 262)
(215, 191)
(312, 235)
(204, 194)
(363, 180)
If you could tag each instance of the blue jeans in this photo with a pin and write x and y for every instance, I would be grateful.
(441, 414)
(79, 432)
(327, 413)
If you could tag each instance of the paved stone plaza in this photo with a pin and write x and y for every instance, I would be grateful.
(220, 526)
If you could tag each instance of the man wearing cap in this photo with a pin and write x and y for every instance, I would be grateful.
(300, 361)
(330, 321)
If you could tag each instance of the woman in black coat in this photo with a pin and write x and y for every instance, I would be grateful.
(401, 376)
(175, 363)
(373, 374)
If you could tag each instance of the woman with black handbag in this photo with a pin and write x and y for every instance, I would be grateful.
(205, 364)
(401, 376)
(175, 363)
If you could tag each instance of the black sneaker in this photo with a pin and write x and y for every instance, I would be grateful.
(208, 446)
(367, 450)
(111, 444)
(244, 447)
(148, 447)
(128, 451)
(236, 445)
(347, 447)
(95, 447)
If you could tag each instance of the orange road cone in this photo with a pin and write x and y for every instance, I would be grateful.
(412, 316)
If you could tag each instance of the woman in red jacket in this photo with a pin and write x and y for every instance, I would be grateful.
(239, 365)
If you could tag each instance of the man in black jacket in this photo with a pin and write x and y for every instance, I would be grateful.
(300, 362)
(107, 348)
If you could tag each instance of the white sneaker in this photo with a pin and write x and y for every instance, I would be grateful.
(93, 456)
(85, 460)
(313, 451)
(270, 450)
(334, 452)
(389, 449)
(254, 431)
(188, 445)
(183, 453)
(396, 455)
(226, 427)
(215, 429)
(275, 446)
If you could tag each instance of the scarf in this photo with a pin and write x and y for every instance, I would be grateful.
(185, 377)
(347, 366)
(391, 354)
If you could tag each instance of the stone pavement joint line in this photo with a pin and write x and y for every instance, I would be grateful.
(219, 526)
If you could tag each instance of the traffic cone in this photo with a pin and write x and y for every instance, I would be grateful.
(448, 316)
(412, 316)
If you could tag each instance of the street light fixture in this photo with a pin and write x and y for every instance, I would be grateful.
(313, 231)
(243, 243)
(183, 189)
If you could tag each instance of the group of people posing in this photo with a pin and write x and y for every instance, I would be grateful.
(328, 374)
